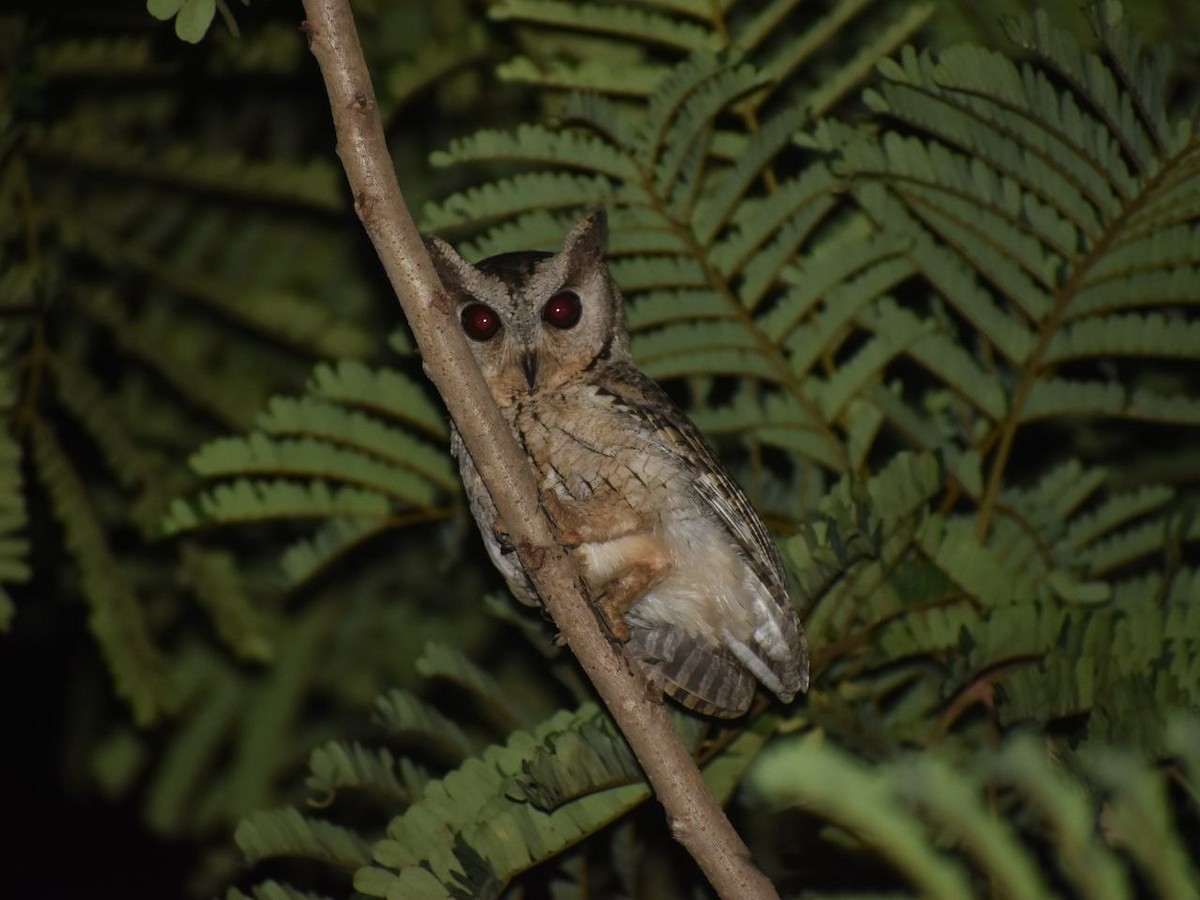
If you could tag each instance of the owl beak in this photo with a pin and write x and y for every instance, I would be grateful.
(529, 366)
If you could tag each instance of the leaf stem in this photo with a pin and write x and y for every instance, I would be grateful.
(1031, 368)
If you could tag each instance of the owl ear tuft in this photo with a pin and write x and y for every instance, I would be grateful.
(451, 268)
(588, 237)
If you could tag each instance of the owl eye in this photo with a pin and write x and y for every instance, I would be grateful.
(480, 322)
(563, 310)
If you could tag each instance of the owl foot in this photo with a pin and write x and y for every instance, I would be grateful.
(627, 588)
(613, 618)
(532, 558)
(594, 520)
(503, 540)
(563, 519)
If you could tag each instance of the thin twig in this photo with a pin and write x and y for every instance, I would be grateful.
(696, 819)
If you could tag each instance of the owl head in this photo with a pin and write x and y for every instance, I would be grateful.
(535, 320)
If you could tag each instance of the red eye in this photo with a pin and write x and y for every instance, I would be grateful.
(480, 322)
(563, 310)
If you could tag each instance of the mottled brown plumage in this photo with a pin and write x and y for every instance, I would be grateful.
(674, 555)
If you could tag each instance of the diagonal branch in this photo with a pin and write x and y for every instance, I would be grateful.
(696, 819)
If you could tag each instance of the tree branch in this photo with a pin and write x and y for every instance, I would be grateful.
(696, 819)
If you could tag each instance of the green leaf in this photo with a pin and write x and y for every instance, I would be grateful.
(338, 766)
(1128, 335)
(14, 546)
(385, 391)
(951, 801)
(163, 9)
(261, 455)
(193, 19)
(622, 21)
(537, 144)
(335, 425)
(592, 75)
(213, 576)
(116, 618)
(440, 661)
(306, 558)
(521, 193)
(287, 833)
(1065, 806)
(468, 834)
(1140, 821)
(819, 779)
(404, 715)
(273, 890)
(247, 500)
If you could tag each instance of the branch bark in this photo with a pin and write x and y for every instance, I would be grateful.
(696, 819)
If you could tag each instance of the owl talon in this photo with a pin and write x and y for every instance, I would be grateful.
(624, 591)
(560, 514)
(620, 631)
(532, 558)
(505, 542)
(614, 617)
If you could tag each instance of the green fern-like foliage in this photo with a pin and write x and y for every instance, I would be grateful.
(1040, 217)
(495, 811)
(1069, 211)
(363, 451)
(169, 259)
(519, 804)
(935, 305)
(137, 338)
(959, 829)
(1019, 255)
(889, 313)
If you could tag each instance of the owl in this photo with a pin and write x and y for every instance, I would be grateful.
(674, 556)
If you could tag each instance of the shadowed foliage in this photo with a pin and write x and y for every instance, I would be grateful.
(927, 279)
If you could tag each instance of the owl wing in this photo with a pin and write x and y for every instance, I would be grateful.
(483, 509)
(777, 656)
(642, 399)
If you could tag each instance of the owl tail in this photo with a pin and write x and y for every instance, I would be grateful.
(704, 678)
(777, 653)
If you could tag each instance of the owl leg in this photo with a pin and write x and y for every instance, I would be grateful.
(623, 559)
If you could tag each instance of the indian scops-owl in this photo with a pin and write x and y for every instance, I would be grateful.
(676, 558)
